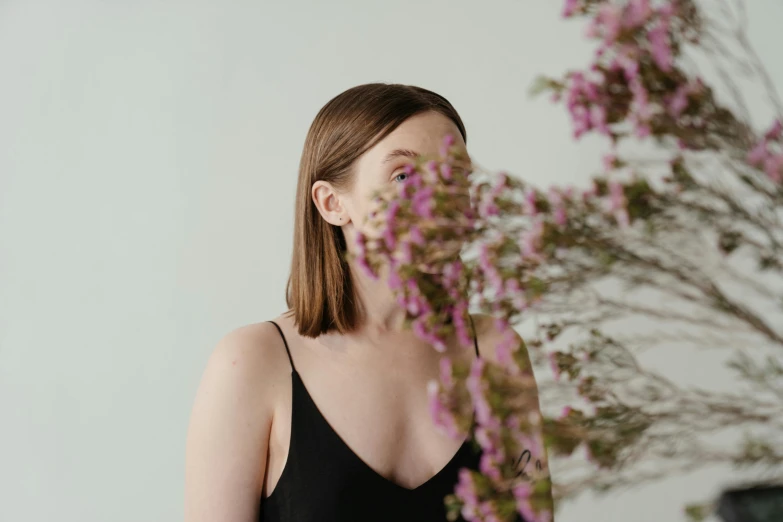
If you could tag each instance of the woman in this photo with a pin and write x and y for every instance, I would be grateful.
(322, 414)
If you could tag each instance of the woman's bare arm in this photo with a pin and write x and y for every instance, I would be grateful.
(228, 434)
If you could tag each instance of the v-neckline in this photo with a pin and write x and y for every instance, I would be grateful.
(454, 460)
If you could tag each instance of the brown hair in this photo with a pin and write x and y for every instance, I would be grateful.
(320, 292)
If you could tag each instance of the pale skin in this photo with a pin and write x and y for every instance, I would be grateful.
(370, 385)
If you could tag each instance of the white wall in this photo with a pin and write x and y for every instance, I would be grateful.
(148, 155)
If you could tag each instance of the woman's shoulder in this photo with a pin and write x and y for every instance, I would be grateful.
(246, 373)
(252, 355)
(244, 380)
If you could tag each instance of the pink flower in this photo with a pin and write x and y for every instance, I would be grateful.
(416, 236)
(487, 512)
(445, 171)
(617, 194)
(489, 466)
(522, 491)
(526, 510)
(446, 373)
(565, 412)
(473, 381)
(560, 216)
(570, 7)
(490, 271)
(659, 44)
(679, 101)
(463, 334)
(775, 131)
(637, 12)
(466, 492)
(451, 273)
(391, 216)
(388, 237)
(773, 166)
(630, 66)
(642, 131)
(422, 202)
(758, 154)
(490, 209)
(610, 17)
(531, 240)
(394, 281)
(483, 439)
(641, 100)
(439, 412)
(448, 141)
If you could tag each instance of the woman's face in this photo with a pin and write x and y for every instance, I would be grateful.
(380, 168)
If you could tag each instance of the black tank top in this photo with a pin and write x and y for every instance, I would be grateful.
(324, 480)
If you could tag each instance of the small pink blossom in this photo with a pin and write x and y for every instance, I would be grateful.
(439, 412)
(416, 236)
(394, 281)
(659, 45)
(570, 7)
(616, 195)
(610, 18)
(448, 141)
(679, 101)
(483, 438)
(422, 202)
(773, 166)
(487, 512)
(775, 131)
(445, 171)
(758, 154)
(531, 240)
(560, 216)
(446, 375)
(489, 466)
(466, 492)
(637, 12)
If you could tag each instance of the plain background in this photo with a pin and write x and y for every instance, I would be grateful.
(148, 157)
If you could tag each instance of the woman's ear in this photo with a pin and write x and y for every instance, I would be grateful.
(329, 204)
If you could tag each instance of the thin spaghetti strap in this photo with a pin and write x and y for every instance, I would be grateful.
(475, 335)
(286, 345)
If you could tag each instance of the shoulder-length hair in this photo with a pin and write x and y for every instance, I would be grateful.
(320, 292)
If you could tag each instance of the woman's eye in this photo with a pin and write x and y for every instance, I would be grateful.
(399, 178)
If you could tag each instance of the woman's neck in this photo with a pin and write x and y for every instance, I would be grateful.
(381, 313)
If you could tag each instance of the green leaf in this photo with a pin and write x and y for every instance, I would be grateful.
(696, 512)
(541, 84)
